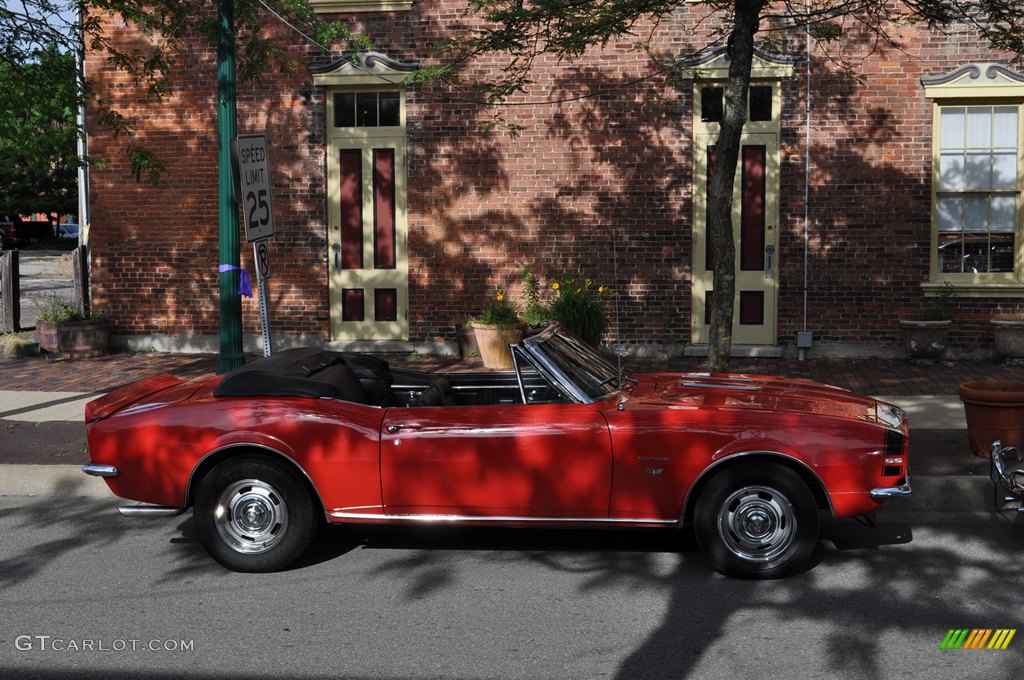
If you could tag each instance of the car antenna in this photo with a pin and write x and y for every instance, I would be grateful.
(615, 310)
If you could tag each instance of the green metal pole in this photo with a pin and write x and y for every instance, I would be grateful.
(231, 355)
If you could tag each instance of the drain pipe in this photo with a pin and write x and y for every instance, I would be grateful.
(85, 252)
(804, 339)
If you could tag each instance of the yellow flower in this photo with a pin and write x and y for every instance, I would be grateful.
(554, 286)
(501, 296)
(601, 290)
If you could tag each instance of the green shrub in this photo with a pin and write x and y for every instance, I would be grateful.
(580, 305)
(499, 311)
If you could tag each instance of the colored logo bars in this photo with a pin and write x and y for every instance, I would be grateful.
(978, 638)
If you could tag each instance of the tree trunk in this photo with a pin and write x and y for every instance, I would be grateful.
(747, 17)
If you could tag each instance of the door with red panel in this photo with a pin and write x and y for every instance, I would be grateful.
(755, 233)
(367, 242)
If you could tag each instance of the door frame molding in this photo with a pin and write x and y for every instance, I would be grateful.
(365, 72)
(711, 68)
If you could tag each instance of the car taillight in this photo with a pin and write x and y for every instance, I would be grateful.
(895, 460)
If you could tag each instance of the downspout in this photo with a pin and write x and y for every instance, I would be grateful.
(804, 338)
(85, 254)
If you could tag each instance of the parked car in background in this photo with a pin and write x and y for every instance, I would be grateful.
(68, 230)
(273, 450)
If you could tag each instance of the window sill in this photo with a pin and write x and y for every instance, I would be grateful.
(975, 289)
(359, 6)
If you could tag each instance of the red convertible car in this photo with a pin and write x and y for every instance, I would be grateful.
(268, 453)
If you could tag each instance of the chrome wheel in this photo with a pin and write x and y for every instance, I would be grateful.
(255, 513)
(757, 523)
(251, 516)
(756, 520)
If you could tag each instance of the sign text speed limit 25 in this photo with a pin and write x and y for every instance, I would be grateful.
(253, 174)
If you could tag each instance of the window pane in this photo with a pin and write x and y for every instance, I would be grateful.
(390, 104)
(951, 170)
(344, 109)
(761, 103)
(1004, 170)
(952, 132)
(976, 213)
(950, 253)
(712, 104)
(1001, 253)
(1005, 127)
(366, 109)
(1004, 212)
(951, 213)
(976, 253)
(979, 128)
(978, 171)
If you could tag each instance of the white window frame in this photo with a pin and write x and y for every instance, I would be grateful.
(975, 87)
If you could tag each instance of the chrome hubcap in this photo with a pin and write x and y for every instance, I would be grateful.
(757, 523)
(251, 516)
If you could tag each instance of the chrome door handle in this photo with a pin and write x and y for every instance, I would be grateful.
(391, 429)
(769, 269)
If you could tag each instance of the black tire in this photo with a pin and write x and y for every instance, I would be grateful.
(254, 514)
(756, 521)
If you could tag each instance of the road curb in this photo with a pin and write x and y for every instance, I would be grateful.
(50, 480)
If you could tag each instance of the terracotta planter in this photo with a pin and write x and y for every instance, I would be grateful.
(1009, 338)
(926, 339)
(494, 342)
(466, 337)
(74, 339)
(994, 410)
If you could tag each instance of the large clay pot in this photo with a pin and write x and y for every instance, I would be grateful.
(995, 410)
(466, 338)
(926, 339)
(1009, 338)
(493, 342)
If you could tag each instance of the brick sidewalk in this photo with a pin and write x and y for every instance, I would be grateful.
(867, 376)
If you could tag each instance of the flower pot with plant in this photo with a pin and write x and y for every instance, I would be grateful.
(579, 304)
(497, 327)
(61, 329)
(926, 334)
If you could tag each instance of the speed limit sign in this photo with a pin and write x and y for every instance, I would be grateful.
(253, 173)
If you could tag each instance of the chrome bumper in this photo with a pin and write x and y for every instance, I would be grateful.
(892, 491)
(1010, 479)
(100, 470)
(131, 510)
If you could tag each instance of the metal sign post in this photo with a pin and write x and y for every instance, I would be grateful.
(261, 256)
(252, 171)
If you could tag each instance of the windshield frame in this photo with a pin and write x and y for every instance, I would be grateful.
(578, 368)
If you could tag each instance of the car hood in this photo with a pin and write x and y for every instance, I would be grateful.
(749, 392)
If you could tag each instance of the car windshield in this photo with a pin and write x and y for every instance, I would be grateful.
(594, 375)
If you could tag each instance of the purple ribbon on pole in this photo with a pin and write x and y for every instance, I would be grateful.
(244, 286)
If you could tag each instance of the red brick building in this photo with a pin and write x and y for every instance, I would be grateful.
(398, 213)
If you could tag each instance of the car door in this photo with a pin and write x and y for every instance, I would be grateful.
(531, 461)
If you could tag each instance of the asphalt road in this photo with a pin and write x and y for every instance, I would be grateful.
(85, 593)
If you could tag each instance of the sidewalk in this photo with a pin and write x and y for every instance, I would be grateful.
(42, 400)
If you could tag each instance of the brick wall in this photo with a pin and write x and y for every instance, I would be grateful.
(602, 184)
